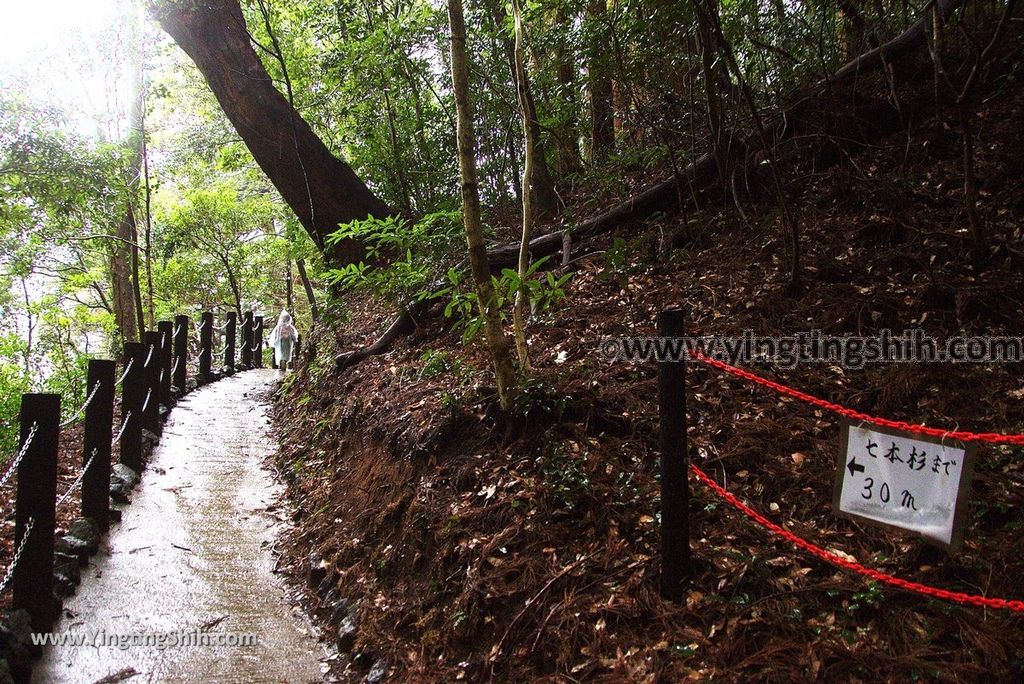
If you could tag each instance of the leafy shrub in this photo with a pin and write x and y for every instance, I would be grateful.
(542, 291)
(405, 258)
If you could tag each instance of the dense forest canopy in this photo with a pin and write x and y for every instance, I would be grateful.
(147, 191)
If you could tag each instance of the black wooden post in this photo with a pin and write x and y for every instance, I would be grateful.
(230, 334)
(258, 343)
(675, 493)
(247, 340)
(32, 582)
(180, 377)
(166, 330)
(151, 403)
(99, 428)
(205, 346)
(133, 394)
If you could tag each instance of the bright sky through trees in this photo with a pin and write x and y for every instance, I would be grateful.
(63, 52)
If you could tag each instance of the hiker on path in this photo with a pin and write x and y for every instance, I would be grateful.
(283, 338)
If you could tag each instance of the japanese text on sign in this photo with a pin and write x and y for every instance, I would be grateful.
(903, 480)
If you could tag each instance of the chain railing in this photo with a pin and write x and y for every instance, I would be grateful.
(81, 411)
(78, 480)
(120, 433)
(21, 454)
(143, 384)
(9, 574)
(127, 369)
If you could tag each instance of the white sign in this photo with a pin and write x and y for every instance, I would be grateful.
(909, 481)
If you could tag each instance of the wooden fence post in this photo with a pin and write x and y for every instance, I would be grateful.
(206, 346)
(247, 340)
(230, 334)
(675, 493)
(32, 582)
(181, 328)
(151, 403)
(258, 343)
(166, 330)
(99, 429)
(133, 394)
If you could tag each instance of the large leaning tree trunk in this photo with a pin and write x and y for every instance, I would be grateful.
(321, 189)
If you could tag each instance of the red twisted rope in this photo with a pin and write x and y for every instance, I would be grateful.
(989, 437)
(853, 566)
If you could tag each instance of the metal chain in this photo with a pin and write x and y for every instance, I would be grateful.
(79, 412)
(177, 330)
(127, 368)
(78, 480)
(226, 324)
(174, 368)
(124, 424)
(149, 357)
(21, 454)
(17, 555)
(146, 403)
(201, 325)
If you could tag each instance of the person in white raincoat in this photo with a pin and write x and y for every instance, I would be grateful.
(283, 338)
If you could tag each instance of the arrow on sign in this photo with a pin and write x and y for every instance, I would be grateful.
(854, 466)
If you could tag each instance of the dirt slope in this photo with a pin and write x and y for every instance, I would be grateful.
(476, 551)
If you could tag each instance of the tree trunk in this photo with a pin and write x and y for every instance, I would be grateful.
(542, 186)
(396, 156)
(289, 296)
(144, 156)
(236, 291)
(314, 311)
(567, 145)
(322, 190)
(790, 225)
(529, 152)
(707, 14)
(602, 116)
(137, 280)
(125, 288)
(496, 342)
(853, 27)
(122, 289)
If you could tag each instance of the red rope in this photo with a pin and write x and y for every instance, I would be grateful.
(835, 559)
(990, 437)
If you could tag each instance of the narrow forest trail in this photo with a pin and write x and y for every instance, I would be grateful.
(193, 551)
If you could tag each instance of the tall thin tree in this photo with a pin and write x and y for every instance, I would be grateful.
(529, 151)
(497, 344)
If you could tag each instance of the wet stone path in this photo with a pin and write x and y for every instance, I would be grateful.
(190, 567)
